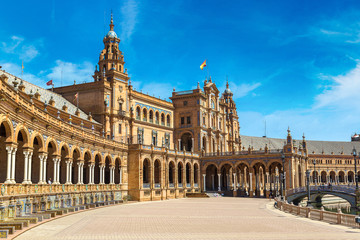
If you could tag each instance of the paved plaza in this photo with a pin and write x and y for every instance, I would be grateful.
(211, 218)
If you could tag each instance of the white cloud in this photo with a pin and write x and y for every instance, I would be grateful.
(243, 89)
(129, 12)
(343, 91)
(67, 72)
(15, 69)
(24, 51)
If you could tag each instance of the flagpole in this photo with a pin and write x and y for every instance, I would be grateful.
(77, 100)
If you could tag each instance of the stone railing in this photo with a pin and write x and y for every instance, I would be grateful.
(13, 190)
(320, 215)
(335, 188)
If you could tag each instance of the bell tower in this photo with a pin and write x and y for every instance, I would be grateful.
(111, 59)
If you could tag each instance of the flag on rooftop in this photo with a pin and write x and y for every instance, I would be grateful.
(49, 83)
(203, 65)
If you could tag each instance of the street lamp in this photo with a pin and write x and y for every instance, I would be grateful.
(308, 186)
(356, 174)
(277, 185)
(315, 174)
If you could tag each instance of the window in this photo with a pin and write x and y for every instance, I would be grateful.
(185, 103)
(119, 128)
(154, 138)
(212, 104)
(188, 120)
(182, 120)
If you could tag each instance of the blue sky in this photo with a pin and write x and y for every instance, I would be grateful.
(291, 63)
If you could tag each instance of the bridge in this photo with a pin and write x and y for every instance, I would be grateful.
(317, 192)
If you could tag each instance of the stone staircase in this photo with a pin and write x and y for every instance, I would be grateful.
(196, 195)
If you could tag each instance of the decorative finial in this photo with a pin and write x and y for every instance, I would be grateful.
(111, 22)
(198, 85)
(288, 131)
(303, 136)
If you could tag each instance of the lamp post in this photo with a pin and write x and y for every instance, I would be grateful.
(315, 173)
(277, 185)
(356, 175)
(308, 186)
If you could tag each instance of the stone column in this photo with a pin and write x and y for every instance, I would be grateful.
(79, 172)
(82, 173)
(67, 172)
(26, 157)
(204, 176)
(44, 169)
(70, 172)
(101, 175)
(90, 174)
(41, 173)
(29, 168)
(58, 170)
(13, 156)
(250, 185)
(112, 175)
(234, 182)
(219, 183)
(8, 169)
(192, 146)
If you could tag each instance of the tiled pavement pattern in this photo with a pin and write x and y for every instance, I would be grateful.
(211, 218)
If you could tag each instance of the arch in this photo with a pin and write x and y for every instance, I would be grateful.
(117, 174)
(22, 140)
(146, 173)
(211, 177)
(188, 174)
(168, 120)
(186, 142)
(51, 142)
(226, 176)
(157, 173)
(97, 168)
(108, 163)
(332, 177)
(341, 177)
(315, 176)
(171, 174)
(204, 144)
(162, 119)
(38, 146)
(144, 114)
(52, 151)
(6, 132)
(6, 129)
(137, 112)
(180, 174)
(351, 176)
(323, 177)
(151, 116)
(157, 117)
(76, 160)
(86, 168)
(196, 173)
(40, 140)
(64, 157)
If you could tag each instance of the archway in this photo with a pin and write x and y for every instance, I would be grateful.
(315, 176)
(211, 178)
(52, 151)
(22, 141)
(157, 173)
(186, 142)
(171, 174)
(146, 173)
(341, 177)
(64, 158)
(323, 177)
(332, 177)
(196, 174)
(87, 159)
(188, 175)
(107, 170)
(180, 174)
(117, 171)
(35, 161)
(204, 144)
(97, 169)
(226, 177)
(351, 176)
(75, 166)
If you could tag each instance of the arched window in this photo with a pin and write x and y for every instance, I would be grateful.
(162, 119)
(151, 116)
(157, 117)
(168, 120)
(212, 104)
(144, 115)
(138, 113)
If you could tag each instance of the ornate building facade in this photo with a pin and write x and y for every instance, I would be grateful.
(119, 142)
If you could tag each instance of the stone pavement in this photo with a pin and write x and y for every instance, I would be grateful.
(208, 218)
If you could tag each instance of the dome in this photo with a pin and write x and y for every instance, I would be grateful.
(111, 34)
(227, 90)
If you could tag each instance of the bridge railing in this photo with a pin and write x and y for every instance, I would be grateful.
(331, 188)
(320, 215)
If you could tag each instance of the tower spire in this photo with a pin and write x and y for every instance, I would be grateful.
(111, 22)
